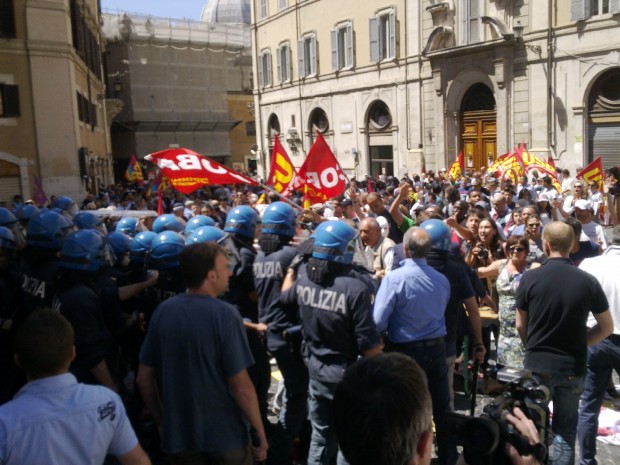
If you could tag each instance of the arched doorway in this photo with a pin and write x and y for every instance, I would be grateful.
(318, 122)
(604, 119)
(478, 127)
(379, 129)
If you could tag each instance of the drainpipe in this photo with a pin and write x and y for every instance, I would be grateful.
(550, 81)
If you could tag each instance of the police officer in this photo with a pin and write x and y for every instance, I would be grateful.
(410, 305)
(166, 249)
(46, 232)
(11, 380)
(241, 224)
(337, 323)
(461, 293)
(83, 254)
(270, 265)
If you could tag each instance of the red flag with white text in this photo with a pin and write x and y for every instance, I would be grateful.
(187, 170)
(320, 177)
(282, 171)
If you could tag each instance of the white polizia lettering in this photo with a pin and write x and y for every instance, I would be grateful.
(267, 270)
(324, 299)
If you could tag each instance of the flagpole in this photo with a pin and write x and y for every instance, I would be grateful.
(285, 199)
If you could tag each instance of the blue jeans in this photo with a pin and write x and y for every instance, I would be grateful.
(602, 359)
(433, 361)
(323, 444)
(294, 403)
(565, 392)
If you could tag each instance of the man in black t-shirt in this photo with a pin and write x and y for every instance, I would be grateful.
(553, 303)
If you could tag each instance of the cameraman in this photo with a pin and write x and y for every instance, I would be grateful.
(382, 414)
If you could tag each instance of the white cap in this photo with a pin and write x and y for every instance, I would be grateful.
(583, 204)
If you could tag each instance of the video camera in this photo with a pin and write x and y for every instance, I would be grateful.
(484, 438)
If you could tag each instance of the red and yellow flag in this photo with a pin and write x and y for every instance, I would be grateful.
(532, 162)
(593, 172)
(282, 171)
(133, 173)
(320, 177)
(456, 169)
(509, 164)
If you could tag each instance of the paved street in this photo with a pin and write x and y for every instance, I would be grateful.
(606, 454)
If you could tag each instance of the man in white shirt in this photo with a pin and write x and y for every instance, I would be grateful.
(604, 356)
(585, 215)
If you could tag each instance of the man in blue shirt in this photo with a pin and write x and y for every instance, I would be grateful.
(410, 305)
(53, 419)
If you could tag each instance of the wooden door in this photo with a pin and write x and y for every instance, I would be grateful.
(479, 139)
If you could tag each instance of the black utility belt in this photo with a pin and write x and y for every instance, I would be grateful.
(417, 344)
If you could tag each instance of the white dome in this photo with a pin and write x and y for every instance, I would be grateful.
(226, 11)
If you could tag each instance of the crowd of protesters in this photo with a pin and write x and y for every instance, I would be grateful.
(179, 313)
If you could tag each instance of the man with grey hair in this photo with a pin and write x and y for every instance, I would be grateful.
(604, 356)
(410, 305)
(382, 248)
(553, 303)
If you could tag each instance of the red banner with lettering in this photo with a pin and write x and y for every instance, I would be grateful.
(320, 177)
(187, 170)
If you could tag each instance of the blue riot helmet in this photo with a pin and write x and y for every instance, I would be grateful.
(242, 220)
(213, 234)
(141, 247)
(85, 250)
(26, 213)
(66, 205)
(7, 239)
(335, 242)
(7, 218)
(279, 219)
(197, 222)
(167, 222)
(128, 225)
(88, 220)
(439, 232)
(47, 230)
(120, 245)
(165, 250)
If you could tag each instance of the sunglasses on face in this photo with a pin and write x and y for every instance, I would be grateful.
(516, 249)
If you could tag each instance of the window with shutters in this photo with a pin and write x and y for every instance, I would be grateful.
(284, 62)
(7, 19)
(471, 25)
(342, 46)
(9, 101)
(581, 10)
(306, 55)
(263, 11)
(383, 36)
(264, 68)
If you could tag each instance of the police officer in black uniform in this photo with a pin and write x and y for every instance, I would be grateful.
(336, 316)
(46, 232)
(270, 267)
(241, 224)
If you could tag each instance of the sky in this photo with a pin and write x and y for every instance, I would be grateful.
(180, 9)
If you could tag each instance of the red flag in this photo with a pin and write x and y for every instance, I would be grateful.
(282, 171)
(551, 162)
(187, 170)
(593, 172)
(133, 173)
(160, 203)
(320, 176)
(369, 187)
